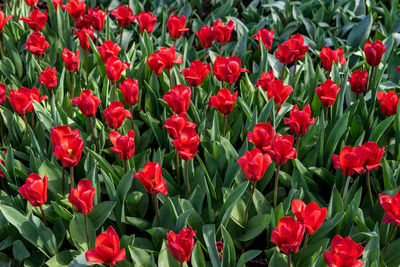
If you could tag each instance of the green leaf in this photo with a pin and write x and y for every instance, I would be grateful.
(209, 238)
(255, 226)
(197, 258)
(338, 130)
(360, 33)
(100, 213)
(248, 255)
(378, 131)
(77, 230)
(19, 251)
(62, 258)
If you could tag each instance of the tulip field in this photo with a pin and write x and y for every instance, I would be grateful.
(199, 133)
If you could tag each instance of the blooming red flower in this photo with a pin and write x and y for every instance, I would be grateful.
(87, 103)
(220, 249)
(254, 164)
(1, 171)
(146, 21)
(344, 253)
(196, 73)
(97, 18)
(115, 114)
(114, 68)
(36, 20)
(35, 189)
(71, 59)
(75, 8)
(22, 99)
(123, 146)
(373, 52)
(4, 20)
(3, 90)
(176, 123)
(67, 145)
(262, 136)
(83, 22)
(176, 26)
(123, 15)
(228, 69)
(48, 77)
(206, 36)
(300, 120)
(327, 93)
(178, 98)
(37, 44)
(310, 215)
(56, 4)
(388, 102)
(288, 235)
(282, 149)
(292, 49)
(223, 101)
(265, 80)
(130, 91)
(82, 36)
(358, 81)
(181, 245)
(107, 249)
(163, 59)
(222, 33)
(328, 56)
(108, 49)
(350, 160)
(31, 3)
(278, 91)
(374, 155)
(155, 63)
(82, 196)
(186, 143)
(264, 36)
(151, 178)
(391, 205)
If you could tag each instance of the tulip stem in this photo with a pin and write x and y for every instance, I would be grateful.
(294, 69)
(289, 260)
(194, 94)
(43, 215)
(170, 78)
(178, 174)
(174, 43)
(2, 129)
(26, 126)
(120, 37)
(87, 68)
(283, 72)
(71, 173)
(187, 176)
(343, 186)
(370, 191)
(1, 49)
(39, 62)
(370, 77)
(157, 209)
(126, 165)
(305, 245)
(388, 240)
(220, 50)
(115, 91)
(278, 168)
(63, 179)
(326, 113)
(181, 265)
(32, 120)
(205, 55)
(225, 119)
(297, 143)
(87, 231)
(98, 37)
(253, 188)
(96, 140)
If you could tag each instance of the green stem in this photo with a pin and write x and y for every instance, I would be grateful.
(253, 188)
(297, 144)
(294, 69)
(87, 67)
(371, 199)
(305, 245)
(71, 173)
(343, 186)
(120, 38)
(63, 179)
(170, 78)
(126, 165)
(283, 72)
(370, 79)
(2, 129)
(187, 176)
(96, 140)
(178, 174)
(115, 91)
(225, 119)
(43, 215)
(26, 126)
(157, 209)
(205, 56)
(220, 50)
(278, 167)
(289, 260)
(87, 231)
(33, 120)
(388, 240)
(326, 113)
(1, 49)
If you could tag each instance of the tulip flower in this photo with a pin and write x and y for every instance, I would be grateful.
(48, 78)
(31, 3)
(262, 136)
(310, 215)
(3, 21)
(220, 249)
(107, 50)
(83, 22)
(130, 91)
(107, 249)
(123, 15)
(265, 36)
(181, 245)
(222, 33)
(176, 27)
(178, 98)
(71, 60)
(265, 80)
(87, 103)
(3, 91)
(391, 206)
(82, 36)
(97, 18)
(206, 37)
(228, 69)
(373, 52)
(123, 146)
(358, 81)
(146, 21)
(163, 59)
(1, 171)
(329, 56)
(115, 114)
(22, 99)
(114, 69)
(195, 74)
(75, 8)
(388, 102)
(176, 124)
(56, 4)
(223, 102)
(37, 44)
(35, 191)
(344, 253)
(36, 20)
(279, 92)
(327, 93)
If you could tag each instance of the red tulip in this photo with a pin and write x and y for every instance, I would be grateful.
(196, 73)
(114, 68)
(35, 189)
(175, 124)
(1, 171)
(115, 114)
(36, 20)
(22, 99)
(163, 59)
(82, 196)
(223, 101)
(328, 56)
(262, 136)
(264, 36)
(83, 22)
(327, 93)
(265, 80)
(82, 36)
(123, 146)
(176, 26)
(350, 160)
(155, 63)
(178, 98)
(310, 215)
(358, 81)
(123, 14)
(278, 91)
(151, 178)
(48, 78)
(31, 3)
(181, 245)
(56, 4)
(97, 18)
(300, 120)
(206, 36)
(4, 20)
(107, 249)
(37, 44)
(254, 164)
(71, 60)
(374, 155)
(186, 143)
(228, 69)
(391, 205)
(288, 235)
(282, 149)
(67, 145)
(108, 49)
(388, 102)
(130, 91)
(222, 33)
(292, 49)
(3, 90)
(146, 21)
(87, 103)
(220, 249)
(373, 52)
(75, 8)
(344, 253)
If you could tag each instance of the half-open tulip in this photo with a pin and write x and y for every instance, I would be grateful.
(292, 49)
(146, 21)
(358, 81)
(87, 103)
(228, 69)
(206, 36)
(196, 73)
(4, 20)
(82, 196)
(67, 145)
(311, 215)
(163, 59)
(75, 8)
(123, 15)
(181, 245)
(97, 18)
(254, 164)
(35, 189)
(178, 98)
(388, 102)
(176, 26)
(114, 68)
(223, 101)
(374, 155)
(222, 33)
(262, 136)
(350, 160)
(327, 93)
(373, 52)
(265, 80)
(391, 205)
(265, 36)
(329, 56)
(123, 145)
(37, 44)
(287, 236)
(282, 149)
(48, 78)
(152, 179)
(115, 114)
(3, 91)
(278, 91)
(36, 20)
(22, 99)
(107, 50)
(130, 91)
(300, 120)
(31, 3)
(344, 253)
(71, 59)
(175, 124)
(186, 143)
(83, 37)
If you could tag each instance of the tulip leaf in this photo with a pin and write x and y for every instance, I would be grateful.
(359, 34)
(197, 258)
(247, 256)
(209, 238)
(255, 226)
(77, 231)
(100, 213)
